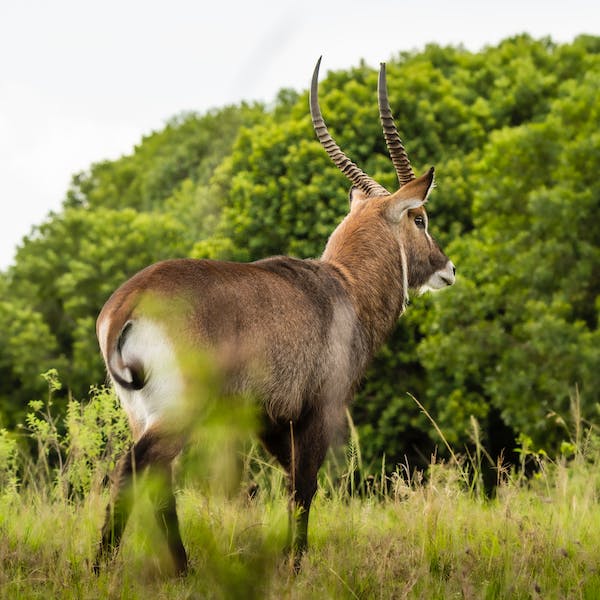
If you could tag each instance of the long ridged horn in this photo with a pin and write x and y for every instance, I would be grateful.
(392, 137)
(359, 178)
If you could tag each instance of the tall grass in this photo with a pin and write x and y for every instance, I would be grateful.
(373, 535)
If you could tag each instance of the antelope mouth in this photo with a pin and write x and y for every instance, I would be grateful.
(440, 279)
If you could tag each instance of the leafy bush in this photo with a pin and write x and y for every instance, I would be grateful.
(74, 455)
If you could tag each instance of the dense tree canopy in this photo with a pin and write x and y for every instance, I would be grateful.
(513, 133)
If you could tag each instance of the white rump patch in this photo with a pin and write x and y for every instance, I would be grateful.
(163, 396)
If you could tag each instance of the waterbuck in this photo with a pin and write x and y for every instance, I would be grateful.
(295, 334)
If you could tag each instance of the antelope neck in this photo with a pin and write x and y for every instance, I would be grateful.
(373, 273)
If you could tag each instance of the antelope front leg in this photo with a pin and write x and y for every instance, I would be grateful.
(309, 443)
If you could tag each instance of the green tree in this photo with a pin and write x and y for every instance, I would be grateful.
(190, 147)
(520, 332)
(27, 348)
(512, 133)
(63, 274)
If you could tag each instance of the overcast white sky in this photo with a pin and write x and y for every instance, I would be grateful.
(82, 81)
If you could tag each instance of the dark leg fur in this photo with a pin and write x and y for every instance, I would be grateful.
(165, 511)
(310, 447)
(118, 510)
(310, 444)
(145, 453)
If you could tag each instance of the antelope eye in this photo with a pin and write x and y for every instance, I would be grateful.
(420, 222)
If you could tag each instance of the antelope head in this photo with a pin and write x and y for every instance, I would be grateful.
(393, 220)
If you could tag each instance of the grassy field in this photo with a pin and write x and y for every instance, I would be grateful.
(426, 540)
(411, 535)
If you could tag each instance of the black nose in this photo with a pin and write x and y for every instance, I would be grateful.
(453, 270)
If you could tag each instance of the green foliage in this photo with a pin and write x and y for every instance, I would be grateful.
(26, 346)
(66, 270)
(8, 464)
(73, 456)
(512, 131)
(190, 147)
(520, 331)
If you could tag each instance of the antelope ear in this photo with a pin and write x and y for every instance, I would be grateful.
(356, 196)
(410, 196)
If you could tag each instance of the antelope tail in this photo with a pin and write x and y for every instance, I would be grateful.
(129, 374)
